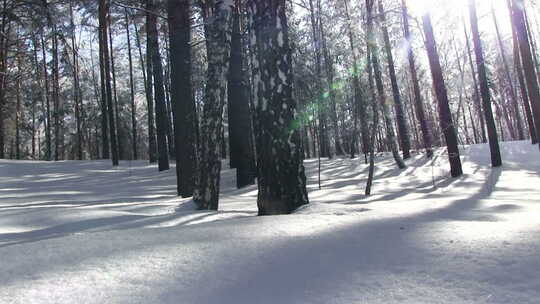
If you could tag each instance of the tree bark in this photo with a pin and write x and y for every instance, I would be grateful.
(484, 88)
(518, 20)
(445, 115)
(390, 134)
(218, 39)
(135, 154)
(281, 175)
(403, 129)
(418, 103)
(240, 132)
(106, 79)
(183, 103)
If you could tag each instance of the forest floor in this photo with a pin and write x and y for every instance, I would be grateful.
(83, 232)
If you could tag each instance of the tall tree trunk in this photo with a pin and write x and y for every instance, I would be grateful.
(77, 94)
(157, 71)
(521, 79)
(106, 82)
(134, 151)
(418, 103)
(56, 97)
(403, 129)
(477, 95)
(390, 135)
(218, 40)
(512, 89)
(445, 115)
(359, 101)
(103, 93)
(375, 123)
(518, 20)
(324, 144)
(281, 175)
(240, 132)
(484, 88)
(118, 125)
(182, 100)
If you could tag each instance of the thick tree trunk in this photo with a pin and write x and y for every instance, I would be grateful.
(157, 71)
(418, 103)
(445, 115)
(281, 176)
(533, 91)
(218, 39)
(183, 103)
(484, 88)
(403, 129)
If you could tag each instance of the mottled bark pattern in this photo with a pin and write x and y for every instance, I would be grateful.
(218, 40)
(281, 176)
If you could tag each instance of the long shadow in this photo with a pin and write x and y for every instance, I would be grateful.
(310, 254)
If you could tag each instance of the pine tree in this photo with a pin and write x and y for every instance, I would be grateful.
(445, 116)
(484, 88)
(183, 104)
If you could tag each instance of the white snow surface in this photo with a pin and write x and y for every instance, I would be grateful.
(83, 232)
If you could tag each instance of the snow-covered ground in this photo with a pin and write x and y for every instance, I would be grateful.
(82, 232)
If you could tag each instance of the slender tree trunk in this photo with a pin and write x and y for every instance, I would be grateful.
(152, 141)
(134, 139)
(281, 175)
(518, 20)
(104, 108)
(512, 90)
(321, 106)
(77, 95)
(403, 129)
(418, 103)
(118, 125)
(477, 95)
(531, 79)
(56, 97)
(157, 70)
(104, 48)
(445, 115)
(484, 88)
(359, 101)
(521, 79)
(390, 135)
